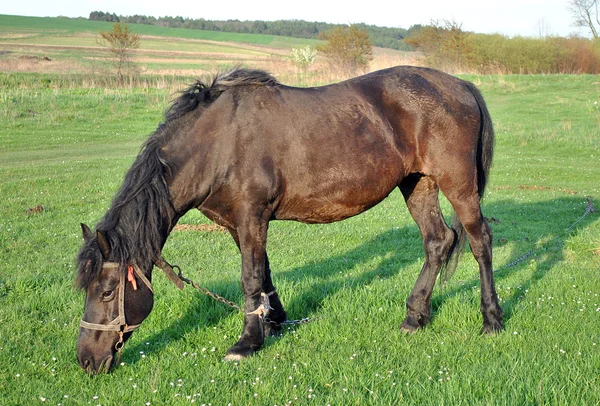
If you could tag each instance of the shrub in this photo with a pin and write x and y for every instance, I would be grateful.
(304, 57)
(348, 48)
(444, 45)
(447, 47)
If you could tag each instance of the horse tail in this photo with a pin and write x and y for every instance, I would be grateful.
(485, 152)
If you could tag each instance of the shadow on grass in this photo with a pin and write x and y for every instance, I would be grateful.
(539, 228)
(520, 225)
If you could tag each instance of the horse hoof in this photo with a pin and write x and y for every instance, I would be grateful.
(414, 322)
(239, 352)
(408, 329)
(492, 328)
(233, 357)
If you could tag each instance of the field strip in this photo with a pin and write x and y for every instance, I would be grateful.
(70, 153)
(263, 54)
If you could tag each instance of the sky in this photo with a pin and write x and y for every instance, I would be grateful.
(508, 17)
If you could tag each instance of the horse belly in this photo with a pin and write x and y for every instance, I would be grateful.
(324, 199)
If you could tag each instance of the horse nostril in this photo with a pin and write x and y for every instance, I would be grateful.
(87, 366)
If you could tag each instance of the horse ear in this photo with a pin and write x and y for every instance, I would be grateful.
(104, 245)
(87, 233)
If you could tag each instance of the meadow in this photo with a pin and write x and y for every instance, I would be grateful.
(65, 145)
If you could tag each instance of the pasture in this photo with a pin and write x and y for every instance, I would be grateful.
(65, 146)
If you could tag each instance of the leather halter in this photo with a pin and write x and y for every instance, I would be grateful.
(119, 324)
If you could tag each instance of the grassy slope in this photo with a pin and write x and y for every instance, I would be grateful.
(68, 149)
(64, 26)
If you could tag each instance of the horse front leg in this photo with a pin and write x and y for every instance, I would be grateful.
(277, 314)
(252, 238)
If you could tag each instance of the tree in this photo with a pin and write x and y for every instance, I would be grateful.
(585, 14)
(348, 48)
(120, 41)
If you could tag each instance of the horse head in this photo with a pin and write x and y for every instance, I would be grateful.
(118, 298)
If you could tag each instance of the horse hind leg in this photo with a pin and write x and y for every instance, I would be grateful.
(421, 196)
(465, 201)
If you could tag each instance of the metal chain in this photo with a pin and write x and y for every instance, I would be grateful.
(234, 305)
(291, 322)
(207, 292)
(589, 209)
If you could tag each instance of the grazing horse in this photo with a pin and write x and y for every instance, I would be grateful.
(245, 150)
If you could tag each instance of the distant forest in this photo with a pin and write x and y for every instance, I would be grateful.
(380, 36)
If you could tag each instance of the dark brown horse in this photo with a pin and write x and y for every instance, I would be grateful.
(246, 150)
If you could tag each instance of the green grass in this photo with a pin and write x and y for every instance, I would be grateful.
(67, 149)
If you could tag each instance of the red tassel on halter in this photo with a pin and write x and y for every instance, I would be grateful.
(131, 277)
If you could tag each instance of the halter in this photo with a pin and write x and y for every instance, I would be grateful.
(119, 324)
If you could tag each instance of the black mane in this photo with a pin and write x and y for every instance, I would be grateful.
(137, 220)
(201, 93)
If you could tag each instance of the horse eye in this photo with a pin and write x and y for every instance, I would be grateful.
(108, 295)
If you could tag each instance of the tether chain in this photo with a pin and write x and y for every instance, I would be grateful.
(234, 305)
(589, 209)
(207, 292)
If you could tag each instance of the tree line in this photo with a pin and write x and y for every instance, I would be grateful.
(384, 37)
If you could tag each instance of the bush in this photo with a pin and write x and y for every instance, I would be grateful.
(348, 48)
(304, 57)
(444, 44)
(447, 47)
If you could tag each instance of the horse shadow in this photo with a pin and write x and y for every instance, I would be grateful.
(515, 225)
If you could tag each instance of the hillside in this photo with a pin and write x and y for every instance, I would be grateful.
(385, 37)
(62, 45)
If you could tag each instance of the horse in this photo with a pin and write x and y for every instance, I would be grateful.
(245, 149)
